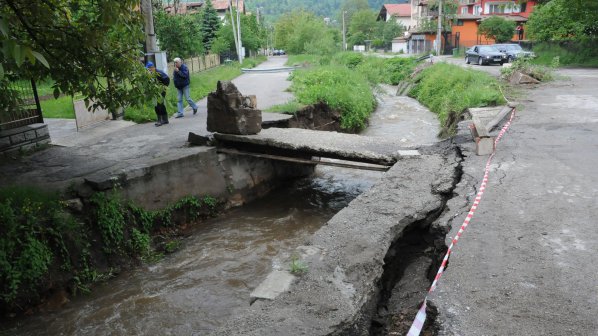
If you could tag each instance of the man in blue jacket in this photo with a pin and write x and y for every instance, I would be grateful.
(160, 108)
(182, 82)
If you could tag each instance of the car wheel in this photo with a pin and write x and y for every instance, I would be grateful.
(510, 59)
(480, 61)
(501, 63)
(467, 61)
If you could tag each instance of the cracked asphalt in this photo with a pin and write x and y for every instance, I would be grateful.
(524, 266)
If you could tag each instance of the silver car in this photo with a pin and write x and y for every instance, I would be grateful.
(514, 51)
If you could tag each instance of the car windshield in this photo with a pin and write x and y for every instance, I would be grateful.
(487, 49)
(514, 47)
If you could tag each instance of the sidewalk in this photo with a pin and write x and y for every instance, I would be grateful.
(115, 146)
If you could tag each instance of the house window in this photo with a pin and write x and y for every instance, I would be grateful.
(459, 23)
(477, 10)
(496, 9)
(523, 7)
(464, 10)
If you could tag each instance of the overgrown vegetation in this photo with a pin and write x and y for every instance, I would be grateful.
(340, 88)
(525, 66)
(43, 245)
(289, 107)
(583, 53)
(448, 90)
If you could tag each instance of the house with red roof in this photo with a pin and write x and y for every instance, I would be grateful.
(189, 7)
(401, 13)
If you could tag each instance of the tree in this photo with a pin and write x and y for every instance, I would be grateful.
(497, 28)
(561, 20)
(179, 35)
(253, 35)
(209, 25)
(88, 47)
(299, 30)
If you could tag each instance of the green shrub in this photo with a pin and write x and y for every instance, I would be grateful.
(340, 88)
(448, 90)
(582, 53)
(110, 215)
(32, 226)
(399, 69)
(349, 59)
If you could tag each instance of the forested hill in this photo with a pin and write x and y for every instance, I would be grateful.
(272, 9)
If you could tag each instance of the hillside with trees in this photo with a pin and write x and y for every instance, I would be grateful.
(272, 9)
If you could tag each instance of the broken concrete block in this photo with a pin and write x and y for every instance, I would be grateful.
(199, 140)
(521, 78)
(275, 283)
(484, 146)
(232, 113)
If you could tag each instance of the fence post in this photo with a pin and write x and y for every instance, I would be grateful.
(37, 103)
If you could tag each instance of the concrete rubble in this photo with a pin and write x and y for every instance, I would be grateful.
(232, 113)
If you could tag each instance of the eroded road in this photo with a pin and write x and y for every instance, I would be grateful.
(525, 264)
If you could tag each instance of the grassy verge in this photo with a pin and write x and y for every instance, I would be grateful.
(48, 244)
(304, 60)
(289, 107)
(569, 53)
(202, 84)
(448, 90)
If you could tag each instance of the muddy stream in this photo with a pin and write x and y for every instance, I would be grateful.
(197, 288)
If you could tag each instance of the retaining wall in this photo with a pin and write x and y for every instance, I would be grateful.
(24, 138)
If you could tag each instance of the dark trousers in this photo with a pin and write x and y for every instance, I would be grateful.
(160, 107)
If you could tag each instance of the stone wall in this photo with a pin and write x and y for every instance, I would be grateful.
(24, 138)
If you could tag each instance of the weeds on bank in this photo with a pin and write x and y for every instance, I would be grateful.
(448, 90)
(525, 66)
(42, 240)
(290, 107)
(297, 266)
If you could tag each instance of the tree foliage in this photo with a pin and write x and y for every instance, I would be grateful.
(497, 28)
(88, 47)
(564, 19)
(179, 35)
(300, 31)
(209, 25)
(253, 35)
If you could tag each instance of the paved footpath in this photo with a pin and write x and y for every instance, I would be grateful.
(526, 264)
(120, 145)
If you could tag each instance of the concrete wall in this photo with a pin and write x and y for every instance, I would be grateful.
(236, 179)
(24, 138)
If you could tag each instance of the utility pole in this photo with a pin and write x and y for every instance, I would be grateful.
(241, 55)
(232, 22)
(439, 33)
(148, 20)
(344, 33)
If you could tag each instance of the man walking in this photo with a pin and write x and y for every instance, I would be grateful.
(160, 108)
(182, 82)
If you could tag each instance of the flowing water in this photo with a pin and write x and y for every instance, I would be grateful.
(210, 278)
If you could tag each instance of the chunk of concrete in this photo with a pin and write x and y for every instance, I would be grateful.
(199, 140)
(484, 146)
(521, 78)
(230, 112)
(275, 283)
(409, 152)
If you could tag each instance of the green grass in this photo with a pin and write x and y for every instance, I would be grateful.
(570, 53)
(289, 107)
(58, 108)
(340, 88)
(448, 90)
(304, 59)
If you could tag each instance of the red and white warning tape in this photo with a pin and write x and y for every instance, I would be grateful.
(420, 318)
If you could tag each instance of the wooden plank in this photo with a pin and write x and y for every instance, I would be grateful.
(505, 110)
(305, 161)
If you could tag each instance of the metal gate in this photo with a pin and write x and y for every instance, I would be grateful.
(22, 108)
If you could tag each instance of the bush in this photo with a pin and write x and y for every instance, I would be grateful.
(35, 231)
(338, 87)
(582, 53)
(349, 59)
(399, 69)
(448, 90)
(524, 65)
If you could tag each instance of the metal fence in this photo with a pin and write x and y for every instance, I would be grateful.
(24, 108)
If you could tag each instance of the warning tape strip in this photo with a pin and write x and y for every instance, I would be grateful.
(420, 318)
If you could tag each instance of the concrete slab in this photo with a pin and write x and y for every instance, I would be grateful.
(276, 283)
(334, 145)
